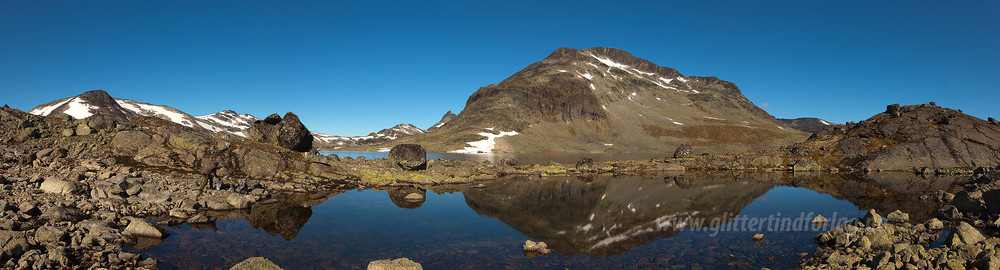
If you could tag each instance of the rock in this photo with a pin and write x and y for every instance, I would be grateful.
(993, 121)
(539, 247)
(892, 110)
(508, 162)
(140, 228)
(29, 208)
(965, 202)
(806, 165)
(58, 186)
(68, 132)
(287, 132)
(216, 203)
(964, 234)
(238, 201)
(397, 264)
(255, 263)
(819, 219)
(898, 217)
(13, 243)
(178, 213)
(949, 212)
(872, 219)
(83, 130)
(92, 165)
(48, 234)
(198, 218)
(935, 224)
(585, 164)
(409, 157)
(758, 237)
(414, 197)
(683, 151)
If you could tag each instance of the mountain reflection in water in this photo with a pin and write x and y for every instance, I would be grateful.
(608, 216)
(590, 221)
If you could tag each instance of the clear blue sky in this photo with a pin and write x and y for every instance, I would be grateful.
(351, 67)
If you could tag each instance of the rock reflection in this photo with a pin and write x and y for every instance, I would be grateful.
(608, 215)
(285, 217)
(885, 192)
(408, 197)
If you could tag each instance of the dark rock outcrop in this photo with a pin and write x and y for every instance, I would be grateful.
(408, 156)
(287, 132)
(683, 151)
(908, 138)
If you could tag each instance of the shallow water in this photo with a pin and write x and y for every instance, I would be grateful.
(591, 222)
(533, 158)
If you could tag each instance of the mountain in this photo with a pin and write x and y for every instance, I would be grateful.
(606, 100)
(100, 102)
(809, 125)
(332, 142)
(444, 120)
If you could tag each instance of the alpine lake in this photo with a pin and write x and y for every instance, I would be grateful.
(690, 220)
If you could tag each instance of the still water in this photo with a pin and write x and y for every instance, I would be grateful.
(690, 221)
(524, 159)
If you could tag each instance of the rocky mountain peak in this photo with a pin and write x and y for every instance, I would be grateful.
(605, 99)
(444, 120)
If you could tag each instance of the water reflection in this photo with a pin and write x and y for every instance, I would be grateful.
(590, 221)
(408, 197)
(608, 215)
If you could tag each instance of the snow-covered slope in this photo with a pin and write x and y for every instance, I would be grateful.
(328, 142)
(100, 102)
(227, 121)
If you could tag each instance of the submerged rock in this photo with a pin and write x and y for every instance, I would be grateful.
(531, 248)
(255, 263)
(394, 264)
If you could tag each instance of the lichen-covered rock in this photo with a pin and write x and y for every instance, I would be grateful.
(408, 156)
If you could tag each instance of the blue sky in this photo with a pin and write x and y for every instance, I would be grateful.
(351, 67)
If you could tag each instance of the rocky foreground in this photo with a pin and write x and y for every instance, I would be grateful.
(77, 192)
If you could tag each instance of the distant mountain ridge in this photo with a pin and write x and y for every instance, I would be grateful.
(606, 100)
(444, 120)
(100, 102)
(333, 142)
(806, 124)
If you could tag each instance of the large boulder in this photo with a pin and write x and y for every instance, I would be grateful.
(409, 156)
(683, 151)
(58, 186)
(140, 228)
(287, 132)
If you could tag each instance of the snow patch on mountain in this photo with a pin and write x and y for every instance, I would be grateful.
(79, 109)
(486, 145)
